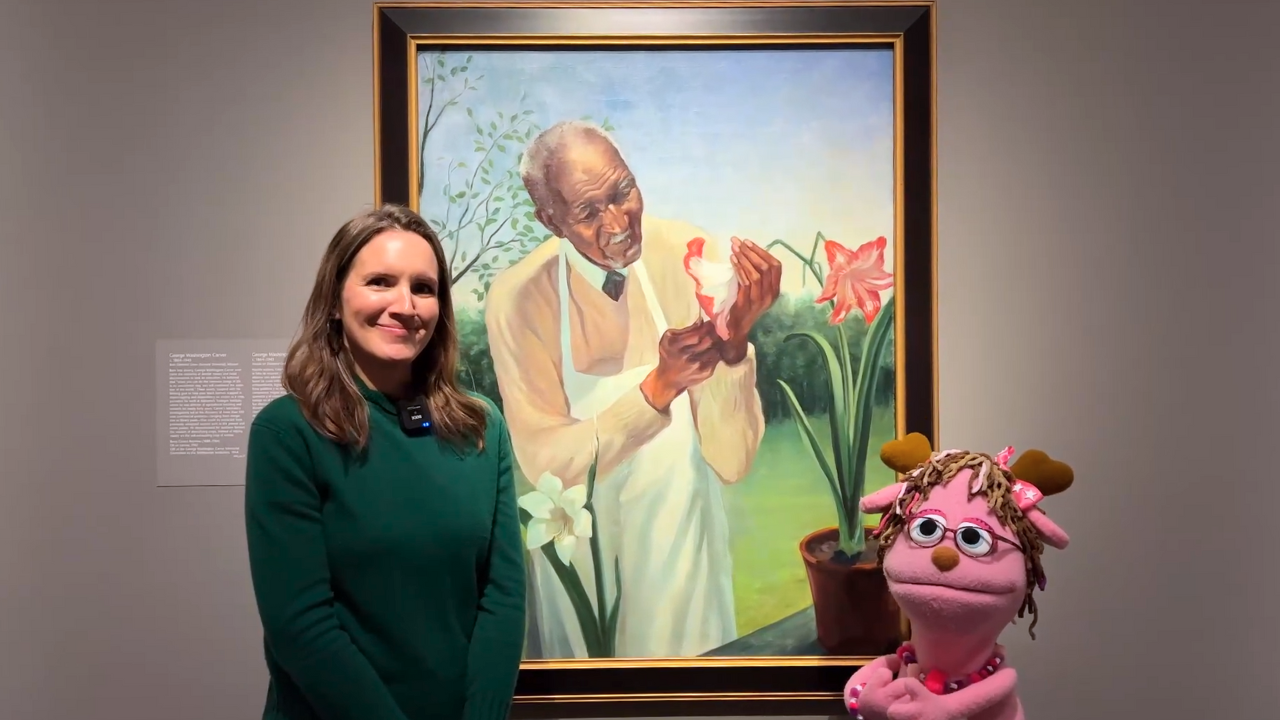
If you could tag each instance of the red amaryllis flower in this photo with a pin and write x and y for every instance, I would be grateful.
(855, 278)
(715, 285)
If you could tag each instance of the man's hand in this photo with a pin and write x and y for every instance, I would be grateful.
(686, 356)
(759, 283)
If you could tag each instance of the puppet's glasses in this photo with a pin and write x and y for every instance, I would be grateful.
(927, 530)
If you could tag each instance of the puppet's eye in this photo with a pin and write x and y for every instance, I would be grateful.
(927, 530)
(973, 540)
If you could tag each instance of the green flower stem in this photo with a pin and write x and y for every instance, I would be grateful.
(581, 604)
(597, 565)
(808, 262)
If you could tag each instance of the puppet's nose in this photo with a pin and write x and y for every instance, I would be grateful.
(945, 558)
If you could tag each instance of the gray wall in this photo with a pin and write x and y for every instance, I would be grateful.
(1108, 258)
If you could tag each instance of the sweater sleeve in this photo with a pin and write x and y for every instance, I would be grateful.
(289, 566)
(497, 642)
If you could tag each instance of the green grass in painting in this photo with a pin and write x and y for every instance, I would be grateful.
(781, 500)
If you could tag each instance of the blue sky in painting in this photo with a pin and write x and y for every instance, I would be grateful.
(762, 144)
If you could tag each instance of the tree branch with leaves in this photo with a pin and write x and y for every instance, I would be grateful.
(487, 219)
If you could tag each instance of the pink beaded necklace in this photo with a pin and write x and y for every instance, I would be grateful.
(938, 683)
(935, 680)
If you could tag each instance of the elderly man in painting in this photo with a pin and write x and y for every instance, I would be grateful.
(626, 334)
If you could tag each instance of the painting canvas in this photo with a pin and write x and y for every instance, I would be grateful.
(675, 272)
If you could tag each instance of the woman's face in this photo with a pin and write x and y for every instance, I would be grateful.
(389, 306)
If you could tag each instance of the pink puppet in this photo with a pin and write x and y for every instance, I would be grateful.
(960, 545)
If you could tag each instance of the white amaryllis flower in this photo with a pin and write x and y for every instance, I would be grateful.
(558, 515)
(716, 285)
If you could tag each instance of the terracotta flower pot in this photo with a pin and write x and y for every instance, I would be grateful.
(855, 613)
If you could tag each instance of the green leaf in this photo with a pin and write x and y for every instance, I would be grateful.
(874, 345)
(846, 379)
(591, 471)
(581, 603)
(597, 564)
(838, 408)
(811, 441)
(611, 623)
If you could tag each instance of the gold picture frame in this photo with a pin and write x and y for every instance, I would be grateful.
(746, 685)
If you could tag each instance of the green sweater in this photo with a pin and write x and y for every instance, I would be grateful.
(390, 585)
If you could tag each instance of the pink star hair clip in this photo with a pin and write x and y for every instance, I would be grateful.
(1025, 494)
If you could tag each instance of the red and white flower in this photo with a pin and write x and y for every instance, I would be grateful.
(716, 285)
(855, 278)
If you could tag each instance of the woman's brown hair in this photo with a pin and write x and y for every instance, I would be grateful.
(320, 372)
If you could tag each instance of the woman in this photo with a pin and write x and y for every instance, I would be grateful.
(386, 559)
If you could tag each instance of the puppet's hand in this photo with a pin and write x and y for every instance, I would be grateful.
(916, 702)
(867, 694)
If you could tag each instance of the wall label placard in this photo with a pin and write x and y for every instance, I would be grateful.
(208, 392)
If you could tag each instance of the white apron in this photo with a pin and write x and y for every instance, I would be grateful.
(660, 512)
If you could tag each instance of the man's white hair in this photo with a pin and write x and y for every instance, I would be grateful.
(545, 149)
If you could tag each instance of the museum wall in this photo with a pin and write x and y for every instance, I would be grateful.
(171, 169)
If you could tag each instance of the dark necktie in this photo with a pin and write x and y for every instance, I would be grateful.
(613, 282)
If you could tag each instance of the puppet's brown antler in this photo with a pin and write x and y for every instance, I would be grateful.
(906, 454)
(1048, 475)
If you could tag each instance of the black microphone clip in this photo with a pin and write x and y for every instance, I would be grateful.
(413, 416)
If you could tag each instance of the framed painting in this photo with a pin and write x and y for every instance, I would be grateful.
(692, 251)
